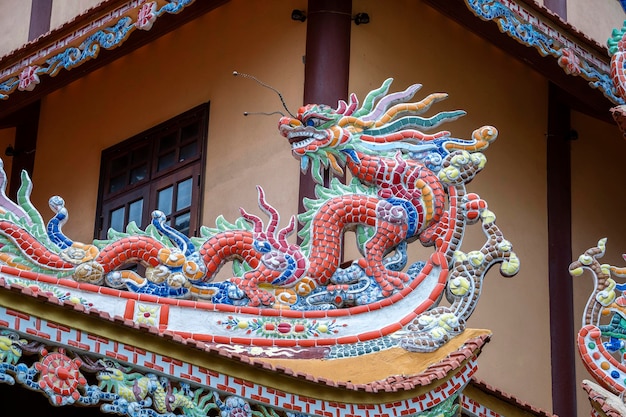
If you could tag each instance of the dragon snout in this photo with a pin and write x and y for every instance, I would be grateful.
(287, 124)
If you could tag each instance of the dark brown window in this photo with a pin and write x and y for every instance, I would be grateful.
(160, 169)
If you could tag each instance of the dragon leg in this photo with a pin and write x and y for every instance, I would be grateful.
(328, 227)
(391, 229)
(240, 245)
(249, 285)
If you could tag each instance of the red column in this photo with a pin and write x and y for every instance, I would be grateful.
(560, 283)
(327, 62)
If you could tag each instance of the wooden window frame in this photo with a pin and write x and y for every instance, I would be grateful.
(155, 180)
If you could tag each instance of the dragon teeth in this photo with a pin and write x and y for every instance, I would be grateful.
(302, 143)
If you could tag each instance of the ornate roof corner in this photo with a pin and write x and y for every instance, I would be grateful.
(111, 25)
(536, 27)
(106, 31)
(62, 362)
(472, 400)
(617, 50)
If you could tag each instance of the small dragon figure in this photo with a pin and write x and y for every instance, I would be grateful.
(136, 391)
(602, 339)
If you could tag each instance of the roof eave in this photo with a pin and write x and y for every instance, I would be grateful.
(165, 24)
(594, 97)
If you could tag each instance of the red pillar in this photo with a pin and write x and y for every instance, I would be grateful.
(327, 62)
(560, 283)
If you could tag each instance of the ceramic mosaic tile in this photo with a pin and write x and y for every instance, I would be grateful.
(408, 188)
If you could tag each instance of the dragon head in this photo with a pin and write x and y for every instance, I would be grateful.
(318, 136)
(323, 137)
(10, 347)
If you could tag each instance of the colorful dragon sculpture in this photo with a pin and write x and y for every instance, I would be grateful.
(407, 186)
(602, 338)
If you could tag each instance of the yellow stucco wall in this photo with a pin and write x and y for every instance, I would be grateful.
(410, 42)
(14, 23)
(190, 66)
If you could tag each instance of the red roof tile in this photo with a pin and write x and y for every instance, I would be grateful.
(508, 398)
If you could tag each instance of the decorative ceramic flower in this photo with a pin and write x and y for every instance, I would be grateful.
(60, 376)
(147, 16)
(569, 61)
(28, 79)
(147, 314)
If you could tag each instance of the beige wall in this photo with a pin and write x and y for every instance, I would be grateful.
(64, 10)
(596, 19)
(14, 24)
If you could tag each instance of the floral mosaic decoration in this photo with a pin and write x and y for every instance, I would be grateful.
(62, 376)
(514, 20)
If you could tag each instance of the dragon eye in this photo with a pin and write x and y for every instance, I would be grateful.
(314, 121)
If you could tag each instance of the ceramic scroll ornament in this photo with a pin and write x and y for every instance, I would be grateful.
(408, 188)
(602, 338)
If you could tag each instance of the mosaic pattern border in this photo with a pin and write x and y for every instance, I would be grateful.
(474, 408)
(67, 355)
(84, 44)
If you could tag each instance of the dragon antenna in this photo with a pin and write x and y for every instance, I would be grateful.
(262, 84)
(260, 113)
